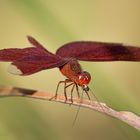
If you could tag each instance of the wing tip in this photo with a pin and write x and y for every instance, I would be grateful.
(14, 70)
(30, 38)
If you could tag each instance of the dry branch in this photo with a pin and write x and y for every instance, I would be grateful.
(128, 117)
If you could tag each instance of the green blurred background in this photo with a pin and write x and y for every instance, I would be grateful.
(54, 23)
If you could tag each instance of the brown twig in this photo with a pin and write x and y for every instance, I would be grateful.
(128, 117)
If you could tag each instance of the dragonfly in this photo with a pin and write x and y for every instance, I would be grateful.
(27, 61)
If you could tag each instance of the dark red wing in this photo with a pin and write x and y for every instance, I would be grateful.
(35, 43)
(13, 54)
(30, 60)
(99, 51)
(34, 63)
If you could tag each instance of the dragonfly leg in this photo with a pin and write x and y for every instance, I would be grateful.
(77, 90)
(72, 93)
(56, 93)
(87, 95)
(71, 89)
(66, 86)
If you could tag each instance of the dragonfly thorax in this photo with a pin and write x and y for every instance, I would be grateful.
(73, 71)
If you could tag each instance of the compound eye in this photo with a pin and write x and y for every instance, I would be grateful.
(84, 78)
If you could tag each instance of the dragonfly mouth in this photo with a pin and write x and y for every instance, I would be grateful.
(85, 88)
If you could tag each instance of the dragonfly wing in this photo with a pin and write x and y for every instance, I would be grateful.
(32, 64)
(13, 54)
(99, 51)
(26, 61)
(36, 44)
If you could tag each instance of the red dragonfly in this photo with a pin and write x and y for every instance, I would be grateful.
(27, 61)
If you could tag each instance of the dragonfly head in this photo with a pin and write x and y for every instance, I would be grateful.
(84, 79)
